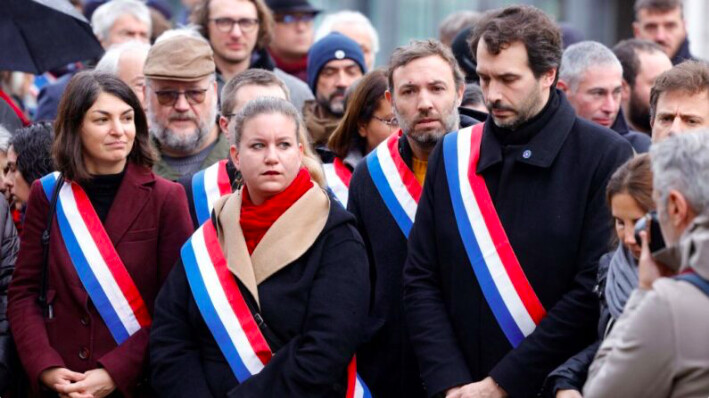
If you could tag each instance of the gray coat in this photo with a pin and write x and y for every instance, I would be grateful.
(9, 246)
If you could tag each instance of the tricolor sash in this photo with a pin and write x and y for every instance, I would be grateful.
(395, 182)
(226, 313)
(506, 289)
(338, 178)
(208, 185)
(96, 261)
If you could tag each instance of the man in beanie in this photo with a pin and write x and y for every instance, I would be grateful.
(181, 95)
(334, 63)
(293, 35)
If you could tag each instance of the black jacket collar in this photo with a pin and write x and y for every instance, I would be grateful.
(620, 126)
(555, 122)
(682, 54)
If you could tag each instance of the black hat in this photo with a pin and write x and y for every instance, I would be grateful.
(284, 6)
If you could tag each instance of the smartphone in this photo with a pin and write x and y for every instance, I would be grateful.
(657, 242)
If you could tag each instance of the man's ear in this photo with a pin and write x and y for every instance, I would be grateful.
(563, 86)
(636, 29)
(234, 155)
(678, 208)
(387, 95)
(224, 125)
(461, 92)
(624, 91)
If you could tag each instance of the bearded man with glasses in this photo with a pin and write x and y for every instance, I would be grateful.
(181, 95)
(293, 35)
(239, 32)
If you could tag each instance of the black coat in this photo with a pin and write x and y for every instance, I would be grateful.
(552, 207)
(386, 362)
(302, 305)
(640, 141)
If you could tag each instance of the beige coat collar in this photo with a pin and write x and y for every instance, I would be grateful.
(288, 238)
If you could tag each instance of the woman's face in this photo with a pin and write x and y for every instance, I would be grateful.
(107, 135)
(15, 183)
(626, 212)
(269, 156)
(382, 125)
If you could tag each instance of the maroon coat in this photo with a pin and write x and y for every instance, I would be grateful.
(148, 222)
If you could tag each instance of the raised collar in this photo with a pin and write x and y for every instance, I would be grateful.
(541, 149)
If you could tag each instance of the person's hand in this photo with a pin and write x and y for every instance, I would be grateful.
(487, 388)
(649, 270)
(96, 384)
(568, 394)
(54, 377)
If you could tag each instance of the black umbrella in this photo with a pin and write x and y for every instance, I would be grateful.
(39, 35)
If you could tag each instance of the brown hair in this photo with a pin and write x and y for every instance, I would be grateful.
(421, 49)
(656, 5)
(634, 178)
(80, 95)
(257, 77)
(627, 53)
(691, 77)
(200, 17)
(529, 25)
(360, 108)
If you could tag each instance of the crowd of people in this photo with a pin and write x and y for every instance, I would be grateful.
(245, 206)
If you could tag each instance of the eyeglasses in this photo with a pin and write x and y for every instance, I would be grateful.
(294, 18)
(393, 122)
(170, 97)
(225, 25)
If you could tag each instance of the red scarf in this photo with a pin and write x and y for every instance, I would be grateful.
(256, 220)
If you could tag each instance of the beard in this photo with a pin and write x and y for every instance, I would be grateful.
(184, 143)
(527, 109)
(335, 102)
(639, 113)
(428, 138)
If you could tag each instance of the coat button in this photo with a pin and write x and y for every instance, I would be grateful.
(84, 353)
(85, 320)
(527, 154)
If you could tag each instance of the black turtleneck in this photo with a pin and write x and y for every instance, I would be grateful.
(525, 132)
(101, 190)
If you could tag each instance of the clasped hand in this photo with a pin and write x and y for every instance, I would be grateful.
(95, 383)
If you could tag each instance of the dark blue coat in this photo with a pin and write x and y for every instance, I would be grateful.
(640, 141)
(316, 306)
(551, 203)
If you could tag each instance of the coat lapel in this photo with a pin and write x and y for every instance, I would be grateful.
(287, 239)
(292, 234)
(131, 198)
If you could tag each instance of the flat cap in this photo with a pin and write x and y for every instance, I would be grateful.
(180, 57)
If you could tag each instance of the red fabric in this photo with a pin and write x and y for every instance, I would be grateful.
(298, 68)
(18, 111)
(256, 220)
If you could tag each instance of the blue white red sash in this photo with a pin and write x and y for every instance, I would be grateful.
(96, 261)
(502, 280)
(208, 185)
(226, 313)
(395, 182)
(338, 178)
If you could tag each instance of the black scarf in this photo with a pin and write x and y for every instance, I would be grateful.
(525, 132)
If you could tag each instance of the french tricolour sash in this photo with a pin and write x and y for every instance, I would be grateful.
(208, 185)
(226, 313)
(395, 182)
(96, 261)
(338, 178)
(501, 278)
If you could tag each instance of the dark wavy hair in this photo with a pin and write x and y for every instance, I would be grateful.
(33, 145)
(529, 25)
(80, 95)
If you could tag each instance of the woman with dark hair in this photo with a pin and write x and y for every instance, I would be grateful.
(81, 299)
(368, 120)
(272, 293)
(29, 158)
(629, 196)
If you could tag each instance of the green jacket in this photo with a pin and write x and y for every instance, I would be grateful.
(219, 151)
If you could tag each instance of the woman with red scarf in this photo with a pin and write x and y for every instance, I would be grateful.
(271, 295)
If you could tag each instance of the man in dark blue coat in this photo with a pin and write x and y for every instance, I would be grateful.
(545, 171)
(426, 86)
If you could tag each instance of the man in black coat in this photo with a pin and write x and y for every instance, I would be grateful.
(546, 171)
(426, 86)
